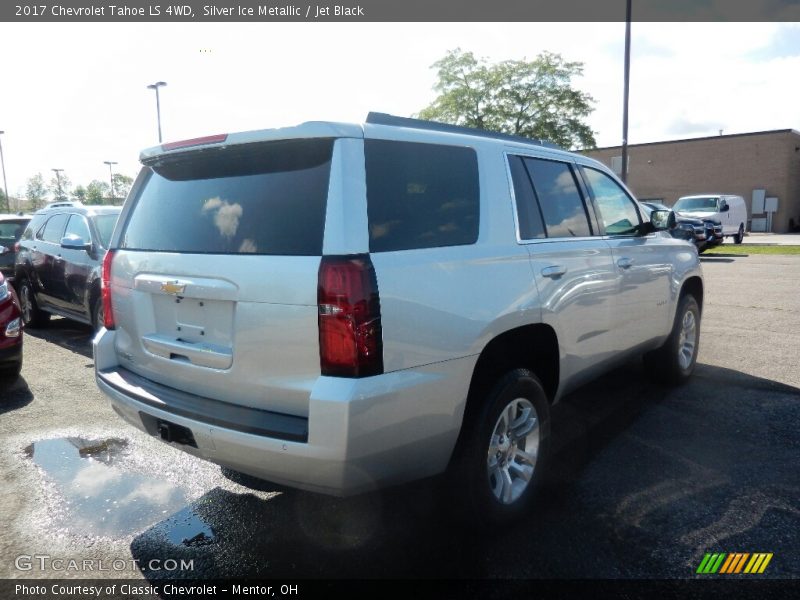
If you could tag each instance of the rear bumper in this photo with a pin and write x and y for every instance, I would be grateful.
(359, 435)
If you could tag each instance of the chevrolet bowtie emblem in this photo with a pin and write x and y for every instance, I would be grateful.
(173, 287)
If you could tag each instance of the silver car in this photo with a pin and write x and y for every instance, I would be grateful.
(342, 307)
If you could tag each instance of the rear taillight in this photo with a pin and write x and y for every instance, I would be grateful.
(16, 247)
(350, 336)
(105, 291)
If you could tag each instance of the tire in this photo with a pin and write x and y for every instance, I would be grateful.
(32, 316)
(97, 314)
(11, 373)
(674, 362)
(739, 237)
(495, 477)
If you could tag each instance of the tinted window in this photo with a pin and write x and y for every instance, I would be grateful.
(420, 195)
(265, 198)
(105, 227)
(528, 213)
(560, 201)
(11, 231)
(54, 228)
(77, 226)
(617, 210)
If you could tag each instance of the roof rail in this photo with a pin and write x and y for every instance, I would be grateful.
(386, 119)
(63, 203)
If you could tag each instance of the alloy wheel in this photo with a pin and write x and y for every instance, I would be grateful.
(513, 450)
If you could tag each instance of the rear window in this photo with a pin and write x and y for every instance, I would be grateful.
(420, 195)
(11, 230)
(266, 198)
(105, 227)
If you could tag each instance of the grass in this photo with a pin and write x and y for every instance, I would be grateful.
(727, 248)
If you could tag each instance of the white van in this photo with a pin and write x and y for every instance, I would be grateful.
(727, 209)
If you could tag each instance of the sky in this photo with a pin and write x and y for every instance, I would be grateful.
(74, 95)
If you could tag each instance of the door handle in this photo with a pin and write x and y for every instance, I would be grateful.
(554, 271)
(625, 263)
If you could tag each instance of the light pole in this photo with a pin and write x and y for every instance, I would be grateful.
(624, 174)
(155, 86)
(58, 181)
(110, 175)
(5, 184)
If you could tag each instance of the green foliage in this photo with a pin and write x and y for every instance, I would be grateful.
(60, 187)
(529, 98)
(96, 192)
(80, 193)
(35, 192)
(122, 185)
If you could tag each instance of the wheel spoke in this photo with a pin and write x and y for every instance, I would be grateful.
(526, 413)
(497, 488)
(508, 415)
(508, 486)
(524, 471)
(526, 428)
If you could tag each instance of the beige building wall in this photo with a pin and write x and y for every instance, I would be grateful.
(727, 164)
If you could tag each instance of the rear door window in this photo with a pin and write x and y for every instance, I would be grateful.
(421, 195)
(560, 200)
(266, 198)
(54, 229)
(529, 215)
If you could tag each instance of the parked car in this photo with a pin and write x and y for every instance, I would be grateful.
(11, 228)
(59, 263)
(729, 210)
(705, 233)
(10, 331)
(342, 307)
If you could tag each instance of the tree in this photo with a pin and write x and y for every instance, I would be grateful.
(60, 186)
(80, 193)
(529, 98)
(96, 192)
(4, 203)
(36, 192)
(122, 185)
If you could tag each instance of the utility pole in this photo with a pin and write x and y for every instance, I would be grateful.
(155, 86)
(5, 184)
(110, 176)
(624, 173)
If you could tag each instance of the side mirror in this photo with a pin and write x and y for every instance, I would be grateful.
(75, 242)
(662, 220)
(724, 207)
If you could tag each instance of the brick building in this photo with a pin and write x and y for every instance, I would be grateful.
(724, 164)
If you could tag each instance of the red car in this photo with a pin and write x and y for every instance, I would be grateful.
(10, 331)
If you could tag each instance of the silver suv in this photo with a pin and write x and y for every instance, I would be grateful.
(342, 307)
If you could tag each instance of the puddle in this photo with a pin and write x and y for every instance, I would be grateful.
(186, 528)
(105, 500)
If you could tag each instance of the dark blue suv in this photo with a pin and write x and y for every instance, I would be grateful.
(58, 265)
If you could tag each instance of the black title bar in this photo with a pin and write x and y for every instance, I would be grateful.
(244, 11)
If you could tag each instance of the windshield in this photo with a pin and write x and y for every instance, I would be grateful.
(708, 204)
(105, 227)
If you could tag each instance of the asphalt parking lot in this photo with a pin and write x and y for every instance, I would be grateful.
(645, 480)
